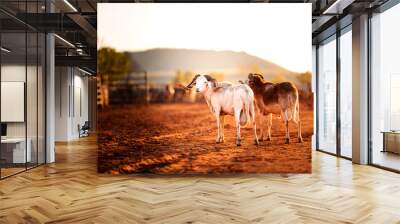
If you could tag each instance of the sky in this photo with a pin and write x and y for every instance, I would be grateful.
(280, 33)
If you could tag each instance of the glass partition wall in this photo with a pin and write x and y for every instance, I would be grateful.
(22, 95)
(13, 89)
(327, 95)
(345, 92)
(385, 88)
(334, 93)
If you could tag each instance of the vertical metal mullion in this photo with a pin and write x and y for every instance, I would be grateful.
(73, 91)
(338, 73)
(26, 86)
(37, 90)
(369, 97)
(316, 96)
(69, 93)
(0, 94)
(60, 88)
(45, 93)
(45, 86)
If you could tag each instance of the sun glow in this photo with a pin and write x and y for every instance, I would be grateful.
(280, 33)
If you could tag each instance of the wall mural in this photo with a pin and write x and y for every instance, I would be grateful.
(204, 88)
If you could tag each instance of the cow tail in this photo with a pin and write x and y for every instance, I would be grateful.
(289, 113)
(244, 114)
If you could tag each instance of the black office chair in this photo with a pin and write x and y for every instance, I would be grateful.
(84, 130)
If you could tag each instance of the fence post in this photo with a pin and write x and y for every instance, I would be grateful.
(147, 88)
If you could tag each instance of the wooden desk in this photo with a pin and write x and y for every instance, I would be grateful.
(391, 141)
(16, 148)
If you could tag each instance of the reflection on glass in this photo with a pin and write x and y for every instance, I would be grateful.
(31, 100)
(385, 114)
(14, 153)
(327, 97)
(41, 99)
(22, 91)
(346, 94)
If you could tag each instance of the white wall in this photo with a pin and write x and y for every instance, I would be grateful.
(12, 73)
(71, 102)
(62, 85)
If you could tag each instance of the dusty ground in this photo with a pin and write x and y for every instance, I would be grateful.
(180, 138)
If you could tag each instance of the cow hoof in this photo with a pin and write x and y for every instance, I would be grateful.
(300, 140)
(238, 143)
(269, 139)
(256, 142)
(287, 141)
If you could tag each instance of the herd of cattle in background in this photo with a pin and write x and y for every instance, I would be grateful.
(137, 94)
(136, 90)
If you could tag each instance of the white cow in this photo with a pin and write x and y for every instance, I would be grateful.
(227, 99)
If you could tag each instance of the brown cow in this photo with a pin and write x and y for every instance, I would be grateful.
(276, 98)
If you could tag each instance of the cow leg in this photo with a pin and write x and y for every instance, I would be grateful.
(255, 133)
(269, 125)
(217, 115)
(287, 127)
(299, 131)
(253, 120)
(261, 125)
(260, 120)
(237, 120)
(222, 121)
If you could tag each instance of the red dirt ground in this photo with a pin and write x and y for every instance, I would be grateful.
(180, 139)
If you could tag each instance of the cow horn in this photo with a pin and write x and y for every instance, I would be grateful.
(212, 80)
(192, 82)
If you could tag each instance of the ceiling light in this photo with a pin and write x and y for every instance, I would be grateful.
(79, 51)
(5, 50)
(70, 5)
(333, 6)
(65, 41)
(84, 71)
(338, 6)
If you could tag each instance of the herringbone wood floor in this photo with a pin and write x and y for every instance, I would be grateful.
(70, 191)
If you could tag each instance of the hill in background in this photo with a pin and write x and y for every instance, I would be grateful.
(163, 63)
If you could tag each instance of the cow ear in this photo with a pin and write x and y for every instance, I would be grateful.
(211, 81)
(211, 84)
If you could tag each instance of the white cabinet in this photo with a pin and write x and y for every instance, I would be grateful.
(19, 155)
